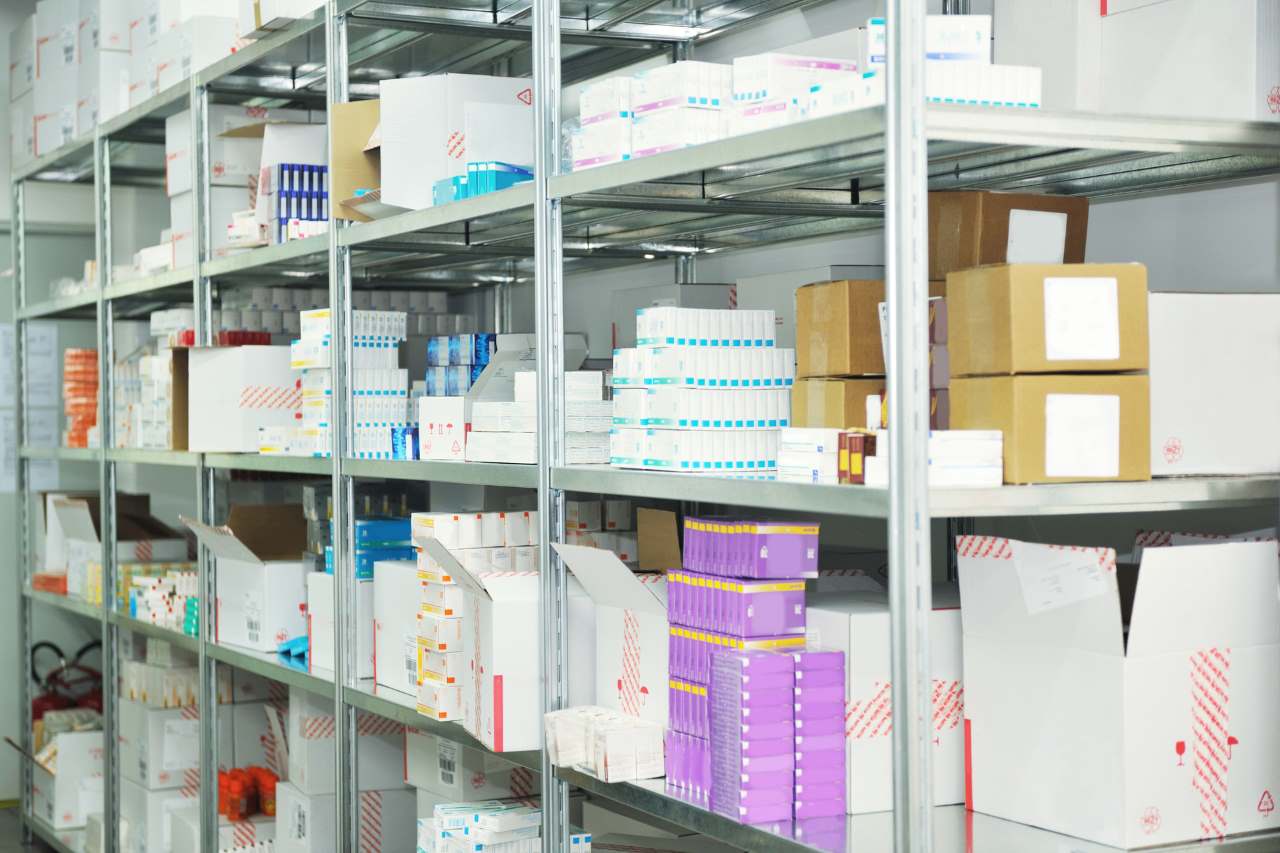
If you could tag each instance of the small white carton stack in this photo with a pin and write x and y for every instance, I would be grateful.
(772, 89)
(957, 458)
(56, 74)
(503, 431)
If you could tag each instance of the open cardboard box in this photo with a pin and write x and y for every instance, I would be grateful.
(260, 586)
(139, 538)
(1159, 735)
(66, 779)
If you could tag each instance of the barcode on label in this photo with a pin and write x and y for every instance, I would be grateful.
(448, 759)
(253, 627)
(299, 823)
(411, 660)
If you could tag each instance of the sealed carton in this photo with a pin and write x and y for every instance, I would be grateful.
(857, 623)
(459, 773)
(1062, 428)
(234, 391)
(320, 624)
(261, 583)
(1214, 362)
(834, 403)
(159, 748)
(1131, 721)
(1032, 318)
(397, 595)
(973, 228)
(312, 727)
(838, 327)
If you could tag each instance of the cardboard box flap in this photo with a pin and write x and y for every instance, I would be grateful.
(1205, 596)
(608, 580)
(137, 528)
(256, 534)
(257, 130)
(453, 567)
(511, 586)
(1040, 594)
(76, 521)
(375, 139)
(220, 541)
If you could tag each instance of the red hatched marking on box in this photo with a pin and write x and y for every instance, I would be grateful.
(371, 725)
(993, 547)
(1210, 746)
(522, 781)
(370, 822)
(244, 833)
(143, 549)
(870, 717)
(456, 145)
(630, 692)
(948, 704)
(190, 783)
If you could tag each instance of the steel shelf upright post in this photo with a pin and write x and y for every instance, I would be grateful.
(106, 487)
(907, 292)
(337, 91)
(549, 334)
(22, 541)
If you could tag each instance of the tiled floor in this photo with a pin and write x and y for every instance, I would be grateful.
(11, 834)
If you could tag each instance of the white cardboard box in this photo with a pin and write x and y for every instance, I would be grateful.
(1195, 58)
(102, 90)
(253, 745)
(64, 799)
(184, 825)
(22, 132)
(149, 815)
(113, 17)
(22, 57)
(1166, 735)
(386, 821)
(320, 616)
(1214, 404)
(858, 625)
(224, 203)
(397, 595)
(233, 161)
(261, 583)
(235, 391)
(458, 773)
(420, 147)
(380, 747)
(631, 625)
(159, 748)
(501, 702)
(442, 428)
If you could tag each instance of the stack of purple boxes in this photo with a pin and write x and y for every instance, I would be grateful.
(819, 718)
(742, 589)
(753, 750)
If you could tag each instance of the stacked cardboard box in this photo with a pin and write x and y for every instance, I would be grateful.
(1055, 357)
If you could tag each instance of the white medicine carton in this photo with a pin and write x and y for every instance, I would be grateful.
(1166, 736)
(234, 392)
(631, 633)
(312, 728)
(261, 584)
(64, 799)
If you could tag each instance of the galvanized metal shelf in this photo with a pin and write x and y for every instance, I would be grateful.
(467, 473)
(80, 306)
(1164, 494)
(169, 458)
(297, 260)
(177, 638)
(60, 840)
(273, 666)
(69, 163)
(62, 454)
(77, 606)
(153, 287)
(301, 465)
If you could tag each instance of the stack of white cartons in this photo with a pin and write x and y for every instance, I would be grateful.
(482, 542)
(607, 524)
(56, 76)
(102, 61)
(22, 78)
(772, 89)
(494, 826)
(957, 457)
(305, 807)
(145, 386)
(502, 431)
(704, 391)
(163, 600)
(663, 109)
(169, 40)
(274, 310)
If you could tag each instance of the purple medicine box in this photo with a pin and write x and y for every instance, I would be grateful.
(751, 549)
(820, 736)
(688, 763)
(752, 779)
(690, 651)
(743, 608)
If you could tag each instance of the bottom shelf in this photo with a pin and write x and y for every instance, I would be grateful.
(61, 840)
(955, 829)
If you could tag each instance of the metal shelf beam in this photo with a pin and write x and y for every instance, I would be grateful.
(137, 626)
(271, 665)
(466, 473)
(65, 604)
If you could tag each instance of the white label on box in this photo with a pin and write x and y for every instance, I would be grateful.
(1082, 435)
(1052, 577)
(1036, 237)
(253, 616)
(411, 659)
(447, 753)
(1081, 319)
(181, 744)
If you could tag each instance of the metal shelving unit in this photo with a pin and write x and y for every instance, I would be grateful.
(834, 175)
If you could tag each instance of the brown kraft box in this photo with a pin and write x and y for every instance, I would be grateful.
(1062, 428)
(833, 403)
(972, 228)
(1032, 318)
(838, 327)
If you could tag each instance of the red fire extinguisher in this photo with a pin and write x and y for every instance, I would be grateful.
(69, 684)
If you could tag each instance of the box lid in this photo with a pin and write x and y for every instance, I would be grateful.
(609, 582)
(255, 534)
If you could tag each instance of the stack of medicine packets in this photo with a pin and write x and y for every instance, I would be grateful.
(742, 588)
(703, 391)
(819, 736)
(752, 735)
(494, 826)
(301, 205)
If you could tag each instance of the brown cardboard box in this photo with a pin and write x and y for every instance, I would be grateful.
(178, 402)
(833, 403)
(972, 228)
(838, 327)
(355, 165)
(1029, 318)
(1062, 428)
